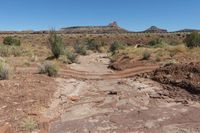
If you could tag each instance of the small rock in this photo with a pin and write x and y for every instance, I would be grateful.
(167, 76)
(74, 98)
(3, 107)
(178, 81)
(189, 75)
(147, 76)
(155, 95)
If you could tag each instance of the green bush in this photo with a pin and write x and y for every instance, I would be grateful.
(146, 55)
(11, 41)
(55, 43)
(192, 40)
(5, 71)
(8, 40)
(115, 46)
(72, 57)
(49, 68)
(93, 45)
(156, 42)
(80, 49)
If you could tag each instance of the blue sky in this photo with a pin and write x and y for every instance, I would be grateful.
(133, 15)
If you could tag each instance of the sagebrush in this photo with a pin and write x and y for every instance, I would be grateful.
(49, 68)
(5, 71)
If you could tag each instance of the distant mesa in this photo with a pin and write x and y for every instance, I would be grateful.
(113, 24)
(154, 29)
(188, 30)
(110, 28)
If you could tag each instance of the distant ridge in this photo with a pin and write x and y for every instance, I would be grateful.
(188, 30)
(110, 28)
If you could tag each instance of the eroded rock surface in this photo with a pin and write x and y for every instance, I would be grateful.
(119, 105)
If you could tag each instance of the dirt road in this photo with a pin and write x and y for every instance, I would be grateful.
(101, 100)
(115, 75)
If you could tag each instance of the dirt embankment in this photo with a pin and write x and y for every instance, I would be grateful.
(125, 62)
(182, 80)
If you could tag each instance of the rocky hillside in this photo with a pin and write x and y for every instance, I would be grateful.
(154, 29)
(111, 28)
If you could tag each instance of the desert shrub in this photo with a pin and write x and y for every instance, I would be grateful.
(11, 41)
(29, 124)
(17, 42)
(6, 51)
(146, 55)
(156, 42)
(80, 49)
(49, 68)
(56, 44)
(158, 57)
(72, 57)
(173, 50)
(8, 40)
(5, 71)
(16, 51)
(192, 40)
(169, 63)
(93, 45)
(174, 42)
(115, 46)
(64, 59)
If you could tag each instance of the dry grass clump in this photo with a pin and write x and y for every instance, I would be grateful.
(5, 71)
(80, 49)
(157, 53)
(6, 50)
(49, 68)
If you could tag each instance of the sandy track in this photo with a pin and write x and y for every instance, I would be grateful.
(70, 73)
